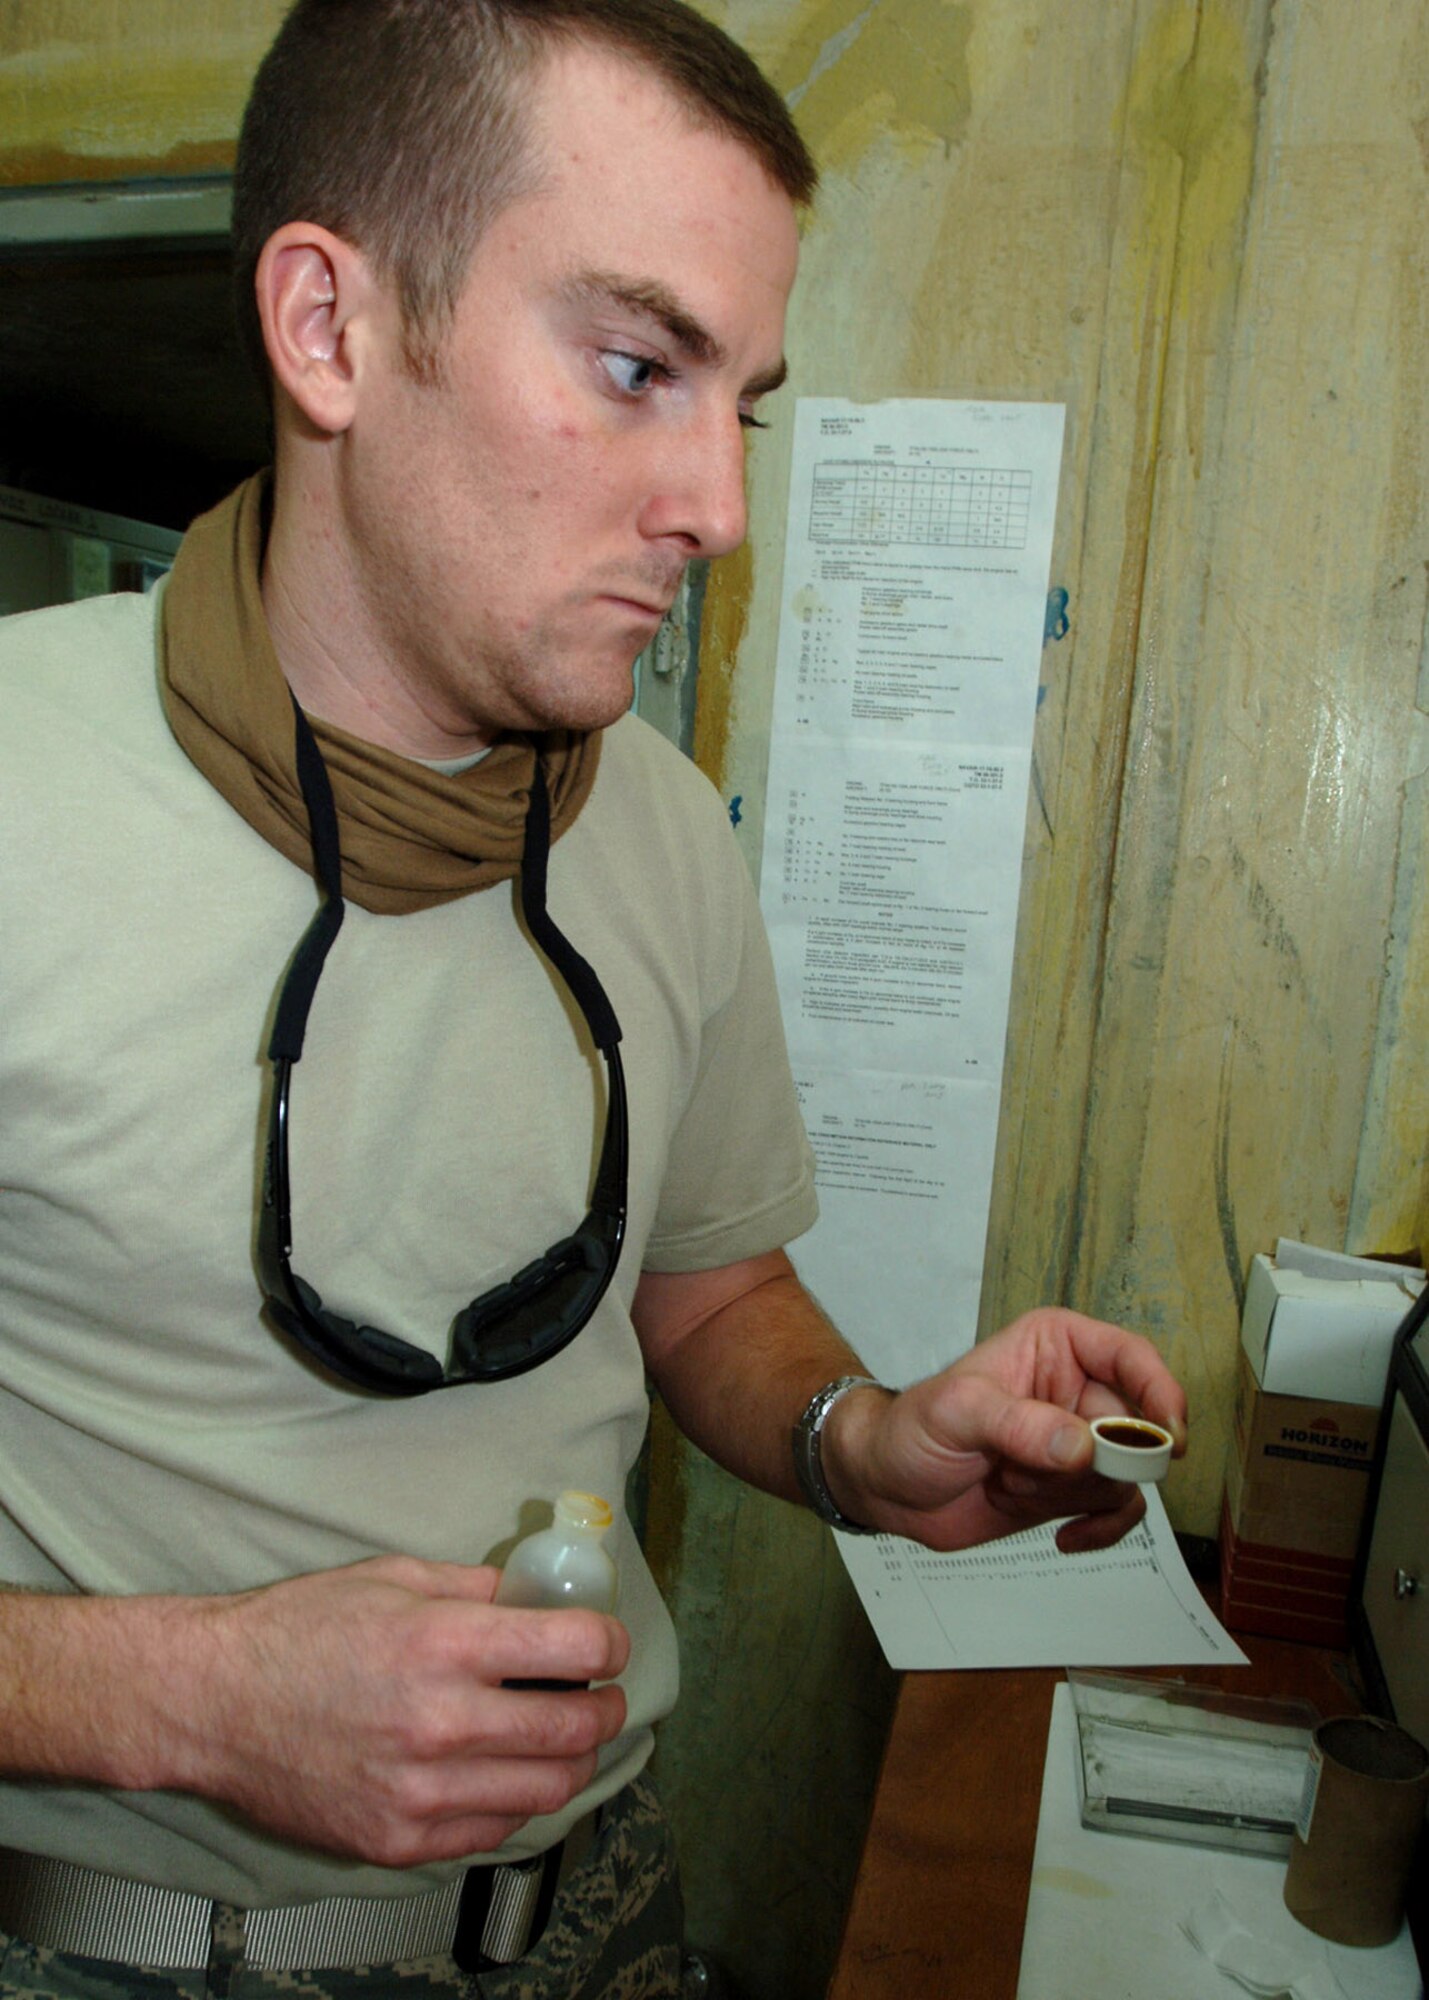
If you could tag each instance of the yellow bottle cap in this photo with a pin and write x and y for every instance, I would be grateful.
(584, 1510)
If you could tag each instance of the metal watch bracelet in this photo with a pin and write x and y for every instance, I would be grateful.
(807, 1438)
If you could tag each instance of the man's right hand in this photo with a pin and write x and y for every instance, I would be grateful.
(358, 1710)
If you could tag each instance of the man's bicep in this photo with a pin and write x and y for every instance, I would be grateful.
(670, 1305)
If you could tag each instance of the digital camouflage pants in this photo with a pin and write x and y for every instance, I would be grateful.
(614, 1934)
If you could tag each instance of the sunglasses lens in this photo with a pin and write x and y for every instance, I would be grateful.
(511, 1329)
(364, 1355)
(544, 1307)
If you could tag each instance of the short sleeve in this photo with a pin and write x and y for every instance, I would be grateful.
(740, 1176)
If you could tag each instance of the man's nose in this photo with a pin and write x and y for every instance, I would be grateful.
(699, 498)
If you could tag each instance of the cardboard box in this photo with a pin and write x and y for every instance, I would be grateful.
(1297, 1479)
(1311, 1375)
(1298, 1473)
(1311, 1335)
(1281, 1592)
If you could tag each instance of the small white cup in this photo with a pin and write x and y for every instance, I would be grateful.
(1131, 1448)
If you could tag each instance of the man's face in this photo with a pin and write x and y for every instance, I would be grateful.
(519, 525)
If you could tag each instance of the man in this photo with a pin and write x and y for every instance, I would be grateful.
(520, 272)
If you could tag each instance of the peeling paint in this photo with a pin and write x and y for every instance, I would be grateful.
(1269, 921)
(1198, 104)
(865, 74)
(829, 54)
(47, 166)
(1225, 1199)
(726, 613)
(116, 96)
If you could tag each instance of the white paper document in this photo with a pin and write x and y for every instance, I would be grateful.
(911, 627)
(1020, 1602)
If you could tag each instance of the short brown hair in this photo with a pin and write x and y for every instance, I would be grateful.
(399, 125)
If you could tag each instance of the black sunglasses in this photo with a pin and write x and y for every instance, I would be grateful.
(514, 1326)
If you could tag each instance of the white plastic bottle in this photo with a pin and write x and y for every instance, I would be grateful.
(565, 1564)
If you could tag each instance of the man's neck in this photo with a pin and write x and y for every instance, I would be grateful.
(330, 654)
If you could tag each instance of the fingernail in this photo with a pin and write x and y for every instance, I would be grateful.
(1067, 1444)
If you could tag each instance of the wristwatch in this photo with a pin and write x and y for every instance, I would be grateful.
(807, 1437)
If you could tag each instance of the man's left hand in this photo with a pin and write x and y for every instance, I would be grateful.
(1000, 1440)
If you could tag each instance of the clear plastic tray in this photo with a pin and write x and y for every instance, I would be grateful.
(1178, 1762)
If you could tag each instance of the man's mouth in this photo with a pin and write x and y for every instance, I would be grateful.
(656, 611)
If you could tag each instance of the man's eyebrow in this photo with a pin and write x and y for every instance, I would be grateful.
(658, 302)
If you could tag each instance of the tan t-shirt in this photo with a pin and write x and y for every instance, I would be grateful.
(155, 1433)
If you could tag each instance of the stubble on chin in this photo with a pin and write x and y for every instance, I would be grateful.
(578, 695)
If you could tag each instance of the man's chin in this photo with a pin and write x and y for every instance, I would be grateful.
(585, 708)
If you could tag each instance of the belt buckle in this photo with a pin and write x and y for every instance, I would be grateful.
(504, 1911)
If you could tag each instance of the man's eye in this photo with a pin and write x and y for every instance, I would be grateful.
(632, 374)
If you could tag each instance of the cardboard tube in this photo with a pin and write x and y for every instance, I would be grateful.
(1365, 1793)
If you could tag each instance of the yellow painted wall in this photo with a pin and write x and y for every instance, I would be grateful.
(104, 89)
(1200, 224)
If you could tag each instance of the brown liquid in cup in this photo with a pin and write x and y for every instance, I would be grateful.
(1138, 1437)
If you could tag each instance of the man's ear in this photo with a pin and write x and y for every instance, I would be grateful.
(316, 295)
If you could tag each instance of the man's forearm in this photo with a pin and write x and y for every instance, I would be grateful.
(92, 1688)
(997, 1441)
(735, 1375)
